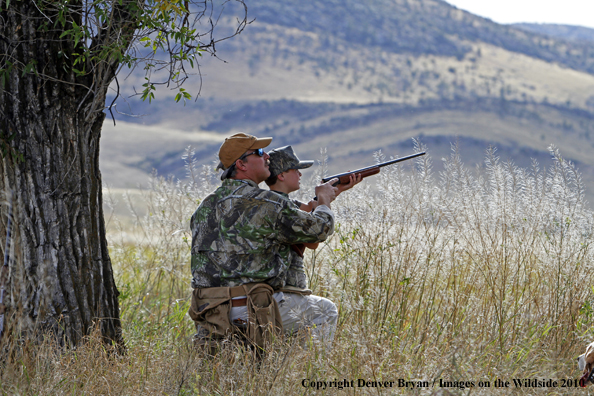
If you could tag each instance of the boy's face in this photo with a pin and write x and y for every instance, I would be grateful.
(292, 179)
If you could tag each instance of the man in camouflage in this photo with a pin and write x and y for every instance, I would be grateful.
(241, 238)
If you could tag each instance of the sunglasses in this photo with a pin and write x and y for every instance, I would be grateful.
(259, 152)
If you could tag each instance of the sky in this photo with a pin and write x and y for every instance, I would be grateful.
(564, 12)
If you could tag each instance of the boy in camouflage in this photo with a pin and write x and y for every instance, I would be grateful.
(241, 237)
(285, 178)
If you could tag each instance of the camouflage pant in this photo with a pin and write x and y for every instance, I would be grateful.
(298, 312)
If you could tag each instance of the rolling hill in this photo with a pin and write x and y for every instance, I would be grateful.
(358, 76)
(565, 32)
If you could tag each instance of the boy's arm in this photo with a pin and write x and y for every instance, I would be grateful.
(308, 207)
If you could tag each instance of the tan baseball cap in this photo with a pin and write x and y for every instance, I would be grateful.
(234, 146)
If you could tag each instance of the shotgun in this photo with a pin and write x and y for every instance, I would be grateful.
(343, 178)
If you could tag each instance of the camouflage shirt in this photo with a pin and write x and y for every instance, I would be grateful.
(242, 234)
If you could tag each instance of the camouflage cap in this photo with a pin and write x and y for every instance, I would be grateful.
(234, 146)
(284, 158)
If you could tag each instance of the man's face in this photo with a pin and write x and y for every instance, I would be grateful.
(257, 167)
(292, 179)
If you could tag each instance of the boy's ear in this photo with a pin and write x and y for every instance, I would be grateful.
(281, 176)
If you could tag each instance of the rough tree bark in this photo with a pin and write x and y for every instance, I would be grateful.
(57, 60)
(61, 278)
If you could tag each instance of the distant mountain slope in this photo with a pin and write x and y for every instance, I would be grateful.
(270, 62)
(566, 32)
(402, 51)
(416, 27)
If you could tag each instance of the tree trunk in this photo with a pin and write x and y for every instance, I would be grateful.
(60, 278)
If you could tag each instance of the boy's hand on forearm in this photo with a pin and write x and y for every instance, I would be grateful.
(354, 180)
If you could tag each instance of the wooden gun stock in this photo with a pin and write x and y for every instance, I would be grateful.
(344, 178)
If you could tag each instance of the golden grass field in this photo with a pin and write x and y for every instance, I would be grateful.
(458, 278)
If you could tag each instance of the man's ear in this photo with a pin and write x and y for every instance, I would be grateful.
(239, 164)
(281, 176)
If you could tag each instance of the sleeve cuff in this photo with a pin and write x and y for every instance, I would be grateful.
(324, 209)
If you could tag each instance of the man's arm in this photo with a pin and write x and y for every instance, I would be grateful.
(295, 226)
(326, 193)
(308, 207)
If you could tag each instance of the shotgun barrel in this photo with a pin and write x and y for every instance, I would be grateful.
(343, 178)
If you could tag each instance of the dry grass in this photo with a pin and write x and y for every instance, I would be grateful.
(458, 277)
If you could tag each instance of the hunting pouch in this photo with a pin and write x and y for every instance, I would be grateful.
(210, 309)
(265, 321)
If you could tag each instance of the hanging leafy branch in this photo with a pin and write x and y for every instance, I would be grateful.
(96, 39)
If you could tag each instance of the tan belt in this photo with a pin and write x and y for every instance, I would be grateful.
(238, 291)
(240, 302)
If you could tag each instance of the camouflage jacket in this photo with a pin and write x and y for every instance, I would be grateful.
(242, 234)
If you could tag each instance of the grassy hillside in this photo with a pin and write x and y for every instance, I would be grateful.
(567, 32)
(316, 74)
(353, 132)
